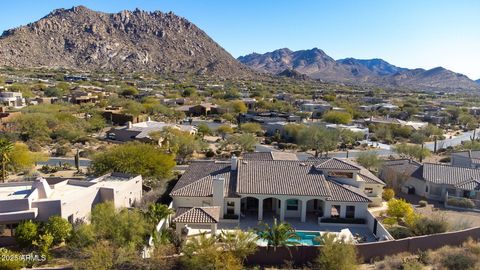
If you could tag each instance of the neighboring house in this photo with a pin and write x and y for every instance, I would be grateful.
(114, 115)
(261, 185)
(70, 199)
(12, 99)
(317, 109)
(352, 128)
(203, 109)
(470, 159)
(431, 180)
(141, 131)
(394, 121)
(80, 97)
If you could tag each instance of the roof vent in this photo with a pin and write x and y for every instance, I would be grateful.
(303, 164)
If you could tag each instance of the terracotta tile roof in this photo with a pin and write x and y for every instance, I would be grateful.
(469, 185)
(294, 178)
(339, 164)
(197, 215)
(280, 178)
(198, 178)
(274, 155)
(369, 177)
(448, 174)
(341, 193)
(271, 177)
(405, 167)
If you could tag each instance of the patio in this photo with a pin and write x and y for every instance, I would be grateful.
(250, 222)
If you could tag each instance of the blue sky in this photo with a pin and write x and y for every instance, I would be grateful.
(407, 33)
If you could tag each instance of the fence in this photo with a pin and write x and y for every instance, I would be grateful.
(302, 255)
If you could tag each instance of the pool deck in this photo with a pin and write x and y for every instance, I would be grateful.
(250, 223)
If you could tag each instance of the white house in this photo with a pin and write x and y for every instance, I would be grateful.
(260, 185)
(12, 99)
(70, 199)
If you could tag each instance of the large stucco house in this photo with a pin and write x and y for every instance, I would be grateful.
(70, 199)
(433, 180)
(266, 185)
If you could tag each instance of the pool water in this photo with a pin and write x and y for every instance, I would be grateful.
(307, 238)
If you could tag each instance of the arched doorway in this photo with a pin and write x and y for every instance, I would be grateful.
(270, 209)
(249, 207)
(315, 210)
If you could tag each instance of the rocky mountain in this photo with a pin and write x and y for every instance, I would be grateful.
(316, 64)
(290, 73)
(80, 38)
(478, 81)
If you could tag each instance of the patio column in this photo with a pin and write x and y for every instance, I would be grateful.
(213, 229)
(282, 209)
(304, 211)
(260, 209)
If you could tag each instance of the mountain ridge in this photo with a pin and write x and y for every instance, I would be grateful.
(374, 71)
(127, 41)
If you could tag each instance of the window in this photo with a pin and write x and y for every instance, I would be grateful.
(426, 188)
(368, 190)
(230, 208)
(341, 174)
(292, 205)
(350, 213)
(335, 211)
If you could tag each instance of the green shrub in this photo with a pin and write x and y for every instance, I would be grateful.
(59, 228)
(412, 265)
(10, 260)
(26, 233)
(399, 232)
(422, 203)
(458, 261)
(461, 202)
(388, 194)
(427, 225)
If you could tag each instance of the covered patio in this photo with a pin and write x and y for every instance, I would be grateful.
(301, 209)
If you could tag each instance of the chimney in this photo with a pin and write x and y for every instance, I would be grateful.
(218, 192)
(234, 161)
(129, 124)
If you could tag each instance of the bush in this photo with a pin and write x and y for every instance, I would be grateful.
(59, 228)
(461, 202)
(344, 220)
(13, 262)
(427, 225)
(336, 254)
(422, 203)
(399, 232)
(458, 261)
(26, 233)
(388, 194)
(210, 153)
(61, 150)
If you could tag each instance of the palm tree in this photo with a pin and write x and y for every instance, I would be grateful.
(157, 212)
(278, 235)
(6, 147)
(239, 243)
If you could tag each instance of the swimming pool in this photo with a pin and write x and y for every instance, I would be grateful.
(307, 238)
(304, 239)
